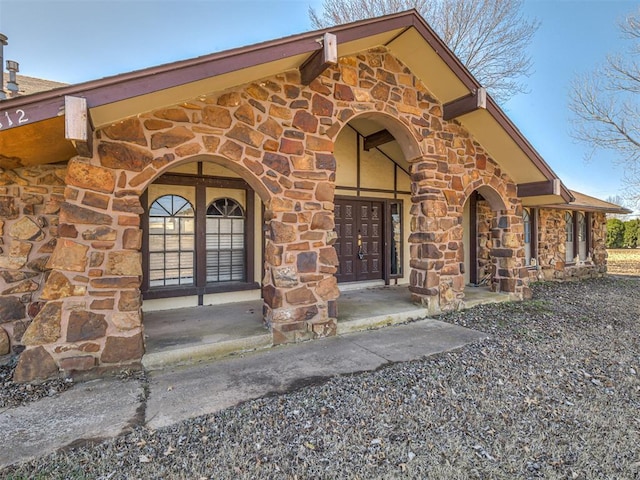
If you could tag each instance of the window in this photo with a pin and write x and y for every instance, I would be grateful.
(225, 241)
(569, 237)
(526, 220)
(581, 228)
(171, 241)
(198, 235)
(529, 221)
(396, 239)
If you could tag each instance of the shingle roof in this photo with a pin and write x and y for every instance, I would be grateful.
(592, 204)
(29, 85)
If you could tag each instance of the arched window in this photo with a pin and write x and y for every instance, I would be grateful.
(568, 227)
(225, 241)
(171, 241)
(526, 220)
(582, 235)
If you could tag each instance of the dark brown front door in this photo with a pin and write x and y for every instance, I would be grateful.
(360, 239)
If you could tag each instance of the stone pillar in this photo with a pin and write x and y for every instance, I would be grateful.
(29, 203)
(507, 252)
(92, 316)
(299, 286)
(426, 256)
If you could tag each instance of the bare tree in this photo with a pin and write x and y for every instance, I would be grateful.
(489, 36)
(621, 201)
(606, 106)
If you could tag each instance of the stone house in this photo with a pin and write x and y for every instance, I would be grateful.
(364, 152)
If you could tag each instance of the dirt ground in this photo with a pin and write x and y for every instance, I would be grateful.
(623, 261)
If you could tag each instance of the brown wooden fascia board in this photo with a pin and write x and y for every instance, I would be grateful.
(127, 85)
(586, 208)
(121, 87)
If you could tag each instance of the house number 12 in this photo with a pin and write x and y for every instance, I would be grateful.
(22, 118)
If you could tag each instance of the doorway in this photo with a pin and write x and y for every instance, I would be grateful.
(359, 225)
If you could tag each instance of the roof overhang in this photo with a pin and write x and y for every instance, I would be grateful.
(586, 203)
(406, 35)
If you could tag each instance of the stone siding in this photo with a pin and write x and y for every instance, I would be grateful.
(30, 200)
(279, 137)
(551, 248)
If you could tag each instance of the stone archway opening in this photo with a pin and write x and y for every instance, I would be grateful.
(484, 223)
(202, 256)
(373, 211)
(373, 198)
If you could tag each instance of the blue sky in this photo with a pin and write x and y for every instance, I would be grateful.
(78, 40)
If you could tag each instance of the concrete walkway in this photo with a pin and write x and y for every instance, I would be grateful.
(105, 408)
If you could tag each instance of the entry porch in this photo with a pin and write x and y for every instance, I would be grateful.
(187, 335)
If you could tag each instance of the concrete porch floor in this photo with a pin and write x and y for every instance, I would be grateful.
(188, 335)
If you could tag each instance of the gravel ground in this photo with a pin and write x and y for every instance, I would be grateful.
(554, 394)
(16, 394)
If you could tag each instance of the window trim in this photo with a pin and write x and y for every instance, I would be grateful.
(388, 230)
(533, 222)
(201, 288)
(244, 237)
(179, 251)
(588, 218)
(574, 230)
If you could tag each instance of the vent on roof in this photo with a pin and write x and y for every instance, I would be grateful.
(12, 84)
(3, 42)
(13, 69)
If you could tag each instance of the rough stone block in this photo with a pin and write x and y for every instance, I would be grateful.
(69, 255)
(300, 296)
(307, 262)
(128, 130)
(285, 277)
(35, 364)
(123, 156)
(26, 229)
(11, 309)
(81, 363)
(91, 177)
(123, 349)
(45, 327)
(125, 321)
(86, 325)
(5, 346)
(124, 263)
(282, 233)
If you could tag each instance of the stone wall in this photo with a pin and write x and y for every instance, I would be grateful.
(484, 217)
(443, 179)
(277, 135)
(551, 248)
(30, 200)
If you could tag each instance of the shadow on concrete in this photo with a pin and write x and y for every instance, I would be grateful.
(187, 335)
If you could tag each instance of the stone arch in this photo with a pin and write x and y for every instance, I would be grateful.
(492, 196)
(407, 137)
(235, 167)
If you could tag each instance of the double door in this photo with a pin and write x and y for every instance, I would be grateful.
(359, 225)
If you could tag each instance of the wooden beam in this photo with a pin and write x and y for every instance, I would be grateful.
(376, 139)
(77, 125)
(467, 104)
(534, 189)
(320, 60)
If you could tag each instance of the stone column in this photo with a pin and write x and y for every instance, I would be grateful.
(426, 257)
(92, 314)
(507, 253)
(299, 285)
